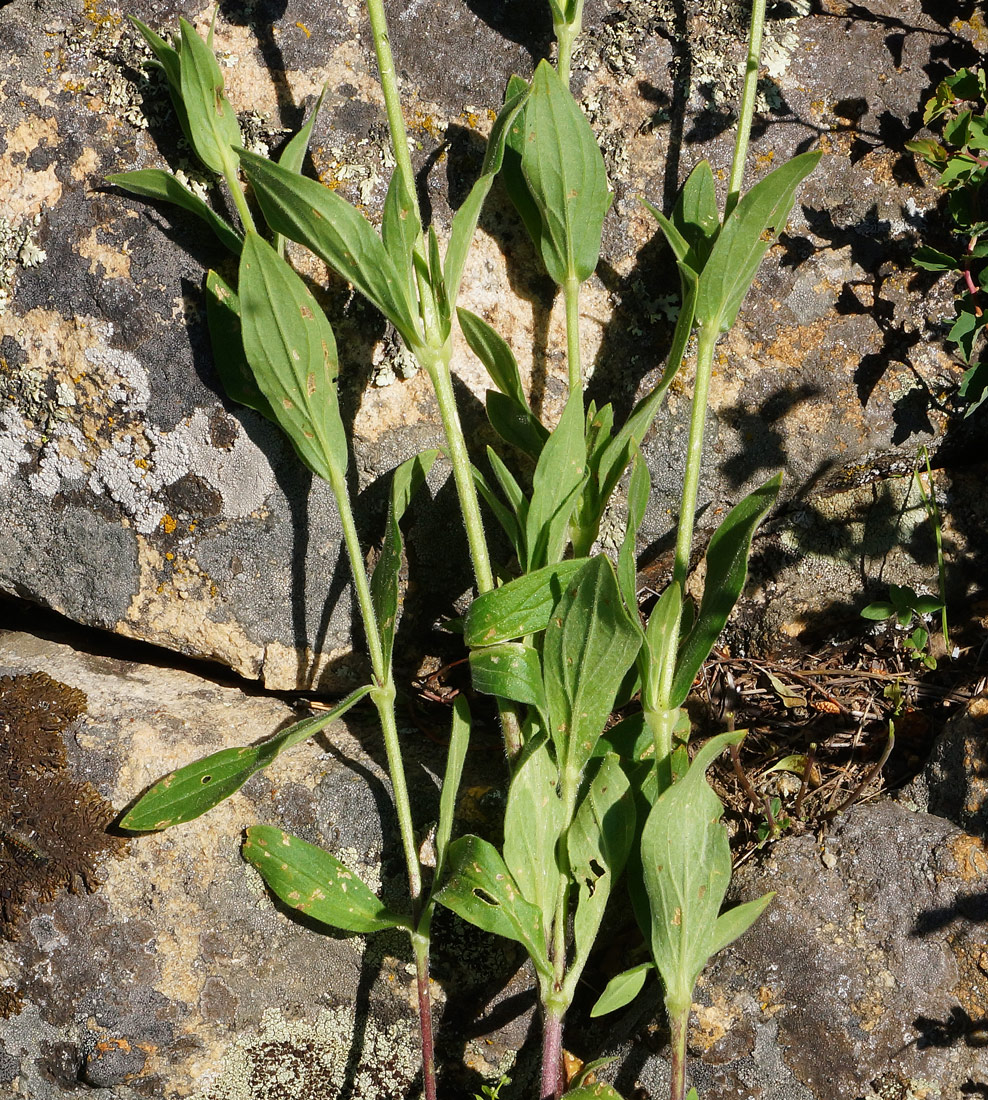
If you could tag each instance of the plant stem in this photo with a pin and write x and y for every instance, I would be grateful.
(707, 342)
(747, 110)
(434, 357)
(436, 363)
(566, 35)
(679, 1023)
(552, 1054)
(392, 102)
(420, 945)
(571, 295)
(383, 694)
(237, 191)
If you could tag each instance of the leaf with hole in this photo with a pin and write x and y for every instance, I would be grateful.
(189, 792)
(598, 842)
(315, 883)
(480, 889)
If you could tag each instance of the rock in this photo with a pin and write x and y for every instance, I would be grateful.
(170, 972)
(145, 503)
(865, 979)
(954, 783)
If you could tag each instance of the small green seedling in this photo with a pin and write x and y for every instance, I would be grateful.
(907, 607)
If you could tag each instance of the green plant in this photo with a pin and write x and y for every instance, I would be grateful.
(960, 108)
(560, 640)
(907, 607)
(492, 1092)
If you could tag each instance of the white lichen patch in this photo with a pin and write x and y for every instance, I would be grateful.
(80, 406)
(14, 440)
(310, 1057)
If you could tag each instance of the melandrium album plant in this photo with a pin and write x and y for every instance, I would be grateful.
(559, 641)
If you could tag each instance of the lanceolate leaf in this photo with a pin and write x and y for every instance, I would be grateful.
(598, 842)
(405, 482)
(213, 125)
(617, 454)
(516, 424)
(479, 888)
(589, 646)
(639, 490)
(293, 155)
(511, 171)
(520, 607)
(291, 350)
(564, 169)
(315, 883)
(503, 515)
(154, 183)
(695, 215)
(456, 754)
(533, 822)
(598, 1091)
(400, 229)
(558, 478)
(744, 240)
(171, 64)
(686, 861)
(308, 212)
(727, 570)
(226, 337)
(191, 791)
(622, 989)
(510, 670)
(493, 351)
(465, 219)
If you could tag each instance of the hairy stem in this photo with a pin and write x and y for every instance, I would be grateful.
(747, 110)
(694, 454)
(571, 294)
(420, 944)
(552, 1055)
(679, 1025)
(392, 102)
(383, 693)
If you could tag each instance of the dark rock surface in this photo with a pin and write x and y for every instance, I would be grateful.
(170, 973)
(867, 978)
(138, 500)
